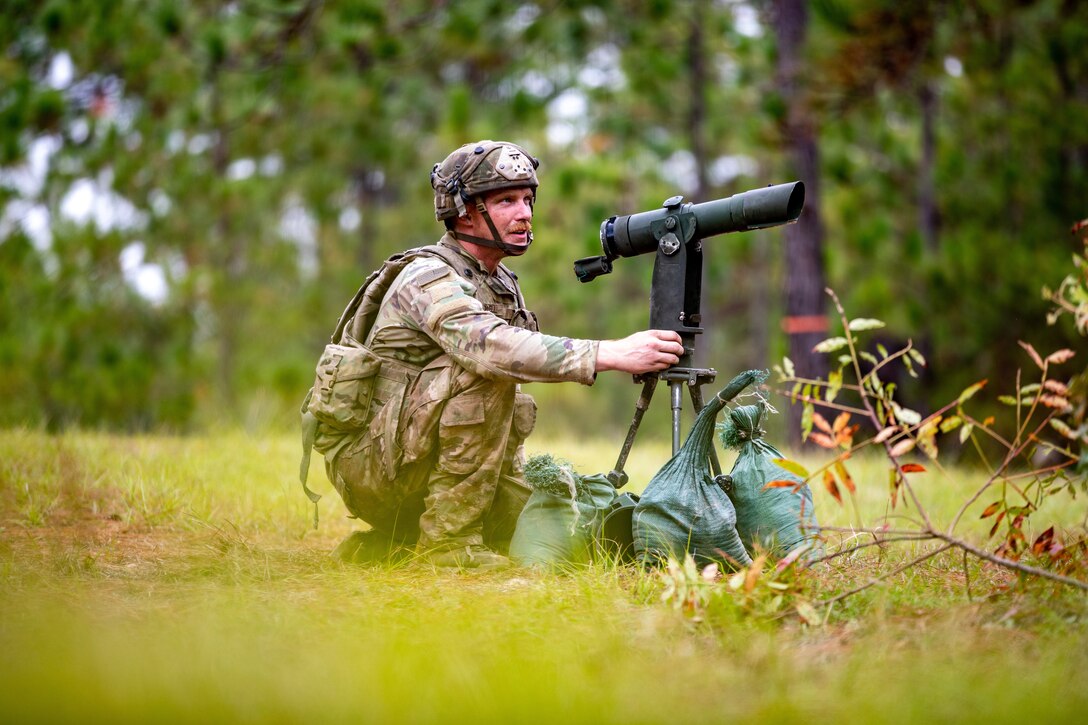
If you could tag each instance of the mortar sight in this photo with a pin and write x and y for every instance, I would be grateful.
(679, 223)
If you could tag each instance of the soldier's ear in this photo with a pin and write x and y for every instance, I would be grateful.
(466, 216)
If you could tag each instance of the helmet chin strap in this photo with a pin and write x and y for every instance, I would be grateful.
(496, 241)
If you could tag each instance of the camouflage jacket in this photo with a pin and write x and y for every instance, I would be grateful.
(476, 317)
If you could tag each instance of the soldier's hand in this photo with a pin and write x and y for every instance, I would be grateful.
(643, 352)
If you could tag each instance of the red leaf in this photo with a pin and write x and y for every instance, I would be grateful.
(781, 483)
(791, 557)
(821, 423)
(1056, 386)
(991, 510)
(913, 468)
(1042, 543)
(844, 475)
(997, 522)
(831, 486)
(845, 437)
(821, 440)
(1060, 356)
(1054, 401)
(754, 570)
(1034, 355)
(841, 422)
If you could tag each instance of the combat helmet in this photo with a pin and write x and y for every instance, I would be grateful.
(475, 169)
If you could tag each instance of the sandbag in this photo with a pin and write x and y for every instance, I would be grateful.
(682, 509)
(774, 521)
(557, 527)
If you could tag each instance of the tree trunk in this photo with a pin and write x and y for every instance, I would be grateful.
(367, 200)
(696, 119)
(697, 107)
(805, 323)
(231, 258)
(928, 216)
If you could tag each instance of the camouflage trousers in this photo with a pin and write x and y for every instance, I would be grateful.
(441, 461)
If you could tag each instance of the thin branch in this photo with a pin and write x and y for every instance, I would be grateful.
(820, 402)
(1009, 563)
(966, 576)
(986, 429)
(1034, 407)
(882, 577)
(975, 442)
(883, 363)
(905, 483)
(905, 432)
(818, 383)
(1011, 456)
(926, 531)
(1019, 408)
(1049, 469)
(872, 532)
(930, 533)
(920, 536)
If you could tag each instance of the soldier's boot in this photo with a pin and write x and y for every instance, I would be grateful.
(477, 558)
(369, 547)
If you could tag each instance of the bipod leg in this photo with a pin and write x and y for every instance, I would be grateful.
(617, 476)
(697, 401)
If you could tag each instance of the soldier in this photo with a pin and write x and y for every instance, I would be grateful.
(438, 463)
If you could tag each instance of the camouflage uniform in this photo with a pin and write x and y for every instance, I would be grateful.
(441, 457)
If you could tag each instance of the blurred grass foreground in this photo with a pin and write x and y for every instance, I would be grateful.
(177, 579)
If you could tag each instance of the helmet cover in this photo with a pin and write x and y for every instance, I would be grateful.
(478, 168)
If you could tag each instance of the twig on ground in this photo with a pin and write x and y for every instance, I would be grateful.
(1009, 563)
(966, 576)
(878, 542)
(882, 577)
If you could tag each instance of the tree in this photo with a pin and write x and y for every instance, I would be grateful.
(805, 321)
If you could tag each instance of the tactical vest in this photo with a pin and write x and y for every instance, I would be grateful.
(342, 399)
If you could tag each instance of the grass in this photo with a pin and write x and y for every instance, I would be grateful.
(178, 579)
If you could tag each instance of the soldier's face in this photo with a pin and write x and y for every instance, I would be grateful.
(511, 211)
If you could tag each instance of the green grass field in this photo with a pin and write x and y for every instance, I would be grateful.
(178, 579)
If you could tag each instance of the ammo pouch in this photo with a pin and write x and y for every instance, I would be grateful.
(524, 415)
(344, 386)
(337, 405)
(354, 390)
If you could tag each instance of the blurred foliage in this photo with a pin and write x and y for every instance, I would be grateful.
(261, 156)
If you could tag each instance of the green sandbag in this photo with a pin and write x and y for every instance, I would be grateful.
(682, 509)
(558, 524)
(777, 520)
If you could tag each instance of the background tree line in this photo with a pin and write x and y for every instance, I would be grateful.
(191, 191)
